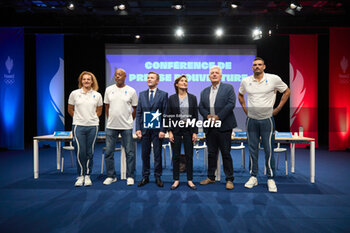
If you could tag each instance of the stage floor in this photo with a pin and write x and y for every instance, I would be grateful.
(52, 203)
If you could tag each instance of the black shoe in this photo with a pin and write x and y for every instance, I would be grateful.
(143, 182)
(192, 187)
(159, 182)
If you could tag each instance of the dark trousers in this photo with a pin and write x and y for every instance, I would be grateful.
(151, 136)
(186, 138)
(219, 140)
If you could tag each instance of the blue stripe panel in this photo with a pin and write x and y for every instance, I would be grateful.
(12, 88)
(50, 83)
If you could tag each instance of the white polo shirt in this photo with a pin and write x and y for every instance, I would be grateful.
(261, 95)
(85, 105)
(121, 101)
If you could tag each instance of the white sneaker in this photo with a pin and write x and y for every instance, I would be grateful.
(87, 181)
(80, 181)
(109, 180)
(130, 181)
(271, 186)
(253, 181)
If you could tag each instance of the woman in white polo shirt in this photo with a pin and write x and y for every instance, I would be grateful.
(85, 106)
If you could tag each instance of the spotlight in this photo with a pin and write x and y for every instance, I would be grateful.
(219, 32)
(234, 4)
(137, 37)
(179, 32)
(290, 11)
(121, 7)
(177, 6)
(257, 34)
(295, 6)
(71, 6)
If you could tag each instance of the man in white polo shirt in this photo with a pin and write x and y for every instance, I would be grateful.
(261, 91)
(120, 102)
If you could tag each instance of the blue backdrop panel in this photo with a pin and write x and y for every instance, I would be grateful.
(50, 83)
(12, 88)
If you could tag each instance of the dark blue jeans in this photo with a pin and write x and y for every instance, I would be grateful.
(127, 142)
(84, 138)
(266, 130)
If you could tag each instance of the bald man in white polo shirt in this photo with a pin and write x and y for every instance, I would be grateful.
(120, 102)
(261, 91)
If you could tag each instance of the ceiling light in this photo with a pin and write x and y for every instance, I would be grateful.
(219, 32)
(234, 6)
(137, 36)
(257, 34)
(115, 8)
(178, 6)
(121, 7)
(290, 11)
(270, 32)
(293, 6)
(179, 32)
(71, 6)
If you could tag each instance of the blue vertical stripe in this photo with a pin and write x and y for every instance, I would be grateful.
(12, 88)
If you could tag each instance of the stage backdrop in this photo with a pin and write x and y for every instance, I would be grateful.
(339, 88)
(50, 83)
(12, 88)
(171, 61)
(303, 85)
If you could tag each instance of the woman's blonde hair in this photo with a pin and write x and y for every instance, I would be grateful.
(177, 80)
(94, 80)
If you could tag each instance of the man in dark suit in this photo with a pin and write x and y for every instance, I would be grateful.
(152, 102)
(217, 103)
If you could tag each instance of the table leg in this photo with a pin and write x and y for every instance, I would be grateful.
(36, 158)
(292, 157)
(123, 164)
(312, 161)
(58, 154)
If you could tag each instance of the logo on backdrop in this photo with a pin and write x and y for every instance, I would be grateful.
(151, 120)
(57, 89)
(344, 77)
(297, 87)
(9, 78)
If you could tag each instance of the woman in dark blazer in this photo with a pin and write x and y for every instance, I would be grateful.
(182, 106)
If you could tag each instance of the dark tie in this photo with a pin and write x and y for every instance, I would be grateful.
(151, 97)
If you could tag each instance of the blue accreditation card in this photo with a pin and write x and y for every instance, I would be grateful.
(283, 135)
(62, 133)
(241, 134)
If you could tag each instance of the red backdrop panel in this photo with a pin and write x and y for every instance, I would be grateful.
(339, 88)
(303, 85)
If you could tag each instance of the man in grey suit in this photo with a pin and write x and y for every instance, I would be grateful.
(217, 103)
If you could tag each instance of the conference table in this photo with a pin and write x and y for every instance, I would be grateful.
(59, 140)
(290, 140)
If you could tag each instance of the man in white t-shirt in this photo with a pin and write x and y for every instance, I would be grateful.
(261, 91)
(120, 102)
